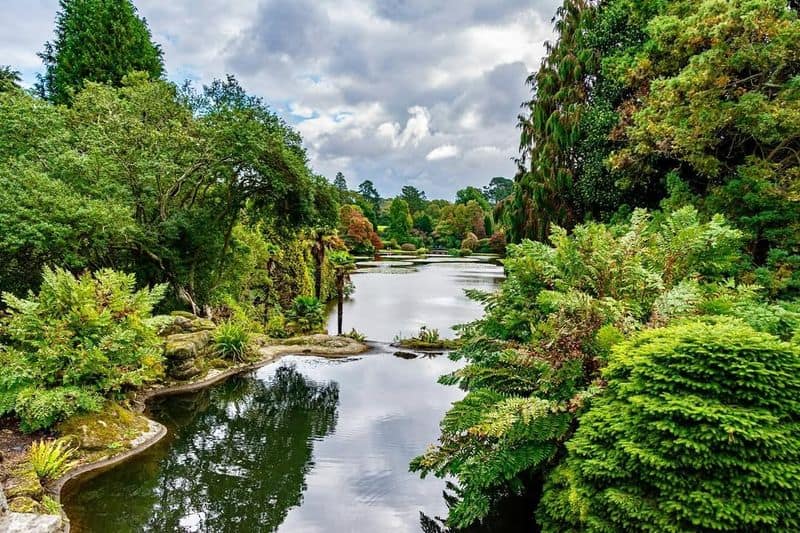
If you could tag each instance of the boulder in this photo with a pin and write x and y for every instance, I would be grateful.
(202, 324)
(182, 346)
(183, 314)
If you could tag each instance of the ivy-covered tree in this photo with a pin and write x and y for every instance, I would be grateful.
(96, 40)
(698, 430)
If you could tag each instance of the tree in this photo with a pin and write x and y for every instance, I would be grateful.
(358, 232)
(340, 183)
(499, 189)
(9, 78)
(698, 431)
(414, 197)
(472, 194)
(400, 221)
(370, 194)
(96, 40)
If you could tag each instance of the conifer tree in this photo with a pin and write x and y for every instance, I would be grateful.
(96, 40)
(699, 430)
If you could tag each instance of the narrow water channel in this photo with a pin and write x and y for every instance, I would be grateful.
(308, 444)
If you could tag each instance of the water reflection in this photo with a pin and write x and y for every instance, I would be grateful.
(236, 461)
(429, 293)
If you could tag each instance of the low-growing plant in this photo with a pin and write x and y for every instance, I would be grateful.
(276, 324)
(306, 314)
(428, 335)
(231, 339)
(51, 459)
(77, 342)
(355, 335)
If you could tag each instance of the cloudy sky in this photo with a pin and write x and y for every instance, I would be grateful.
(418, 92)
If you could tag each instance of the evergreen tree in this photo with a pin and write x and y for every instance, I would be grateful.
(699, 430)
(340, 183)
(370, 193)
(96, 40)
(400, 221)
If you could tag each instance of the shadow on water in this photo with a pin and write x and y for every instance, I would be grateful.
(236, 460)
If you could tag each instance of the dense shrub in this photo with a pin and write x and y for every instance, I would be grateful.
(79, 340)
(699, 430)
(306, 314)
(408, 247)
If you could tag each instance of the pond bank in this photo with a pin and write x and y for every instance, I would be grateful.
(131, 432)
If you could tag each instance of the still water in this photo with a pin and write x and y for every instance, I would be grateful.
(307, 444)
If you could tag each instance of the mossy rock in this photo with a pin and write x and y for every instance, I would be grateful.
(184, 346)
(185, 371)
(26, 504)
(184, 314)
(109, 429)
(24, 483)
(203, 324)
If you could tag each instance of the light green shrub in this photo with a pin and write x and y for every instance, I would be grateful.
(78, 341)
(698, 430)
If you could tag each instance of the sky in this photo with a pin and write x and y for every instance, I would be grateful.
(401, 92)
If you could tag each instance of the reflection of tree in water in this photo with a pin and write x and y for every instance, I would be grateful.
(237, 460)
(240, 464)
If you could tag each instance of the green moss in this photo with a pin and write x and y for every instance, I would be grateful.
(183, 314)
(441, 344)
(111, 429)
(26, 504)
(24, 483)
(51, 506)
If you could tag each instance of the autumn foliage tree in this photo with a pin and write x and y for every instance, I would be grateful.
(357, 231)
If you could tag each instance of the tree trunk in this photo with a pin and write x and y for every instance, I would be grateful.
(339, 311)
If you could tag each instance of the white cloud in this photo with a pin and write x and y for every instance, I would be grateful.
(443, 152)
(374, 87)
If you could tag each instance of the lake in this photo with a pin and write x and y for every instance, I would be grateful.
(306, 444)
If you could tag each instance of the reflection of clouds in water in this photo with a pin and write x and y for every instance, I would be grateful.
(389, 411)
(384, 306)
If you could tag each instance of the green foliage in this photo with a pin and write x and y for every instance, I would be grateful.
(400, 221)
(534, 358)
(100, 41)
(51, 459)
(79, 340)
(636, 96)
(306, 314)
(698, 431)
(470, 194)
(9, 79)
(355, 335)
(231, 340)
(408, 247)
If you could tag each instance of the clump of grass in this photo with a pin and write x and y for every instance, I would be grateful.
(231, 341)
(428, 335)
(51, 459)
(355, 335)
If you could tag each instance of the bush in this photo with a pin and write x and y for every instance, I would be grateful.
(306, 314)
(276, 324)
(231, 341)
(470, 242)
(80, 340)
(408, 247)
(51, 459)
(698, 430)
(422, 251)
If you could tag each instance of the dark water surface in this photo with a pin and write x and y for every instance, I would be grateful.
(304, 445)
